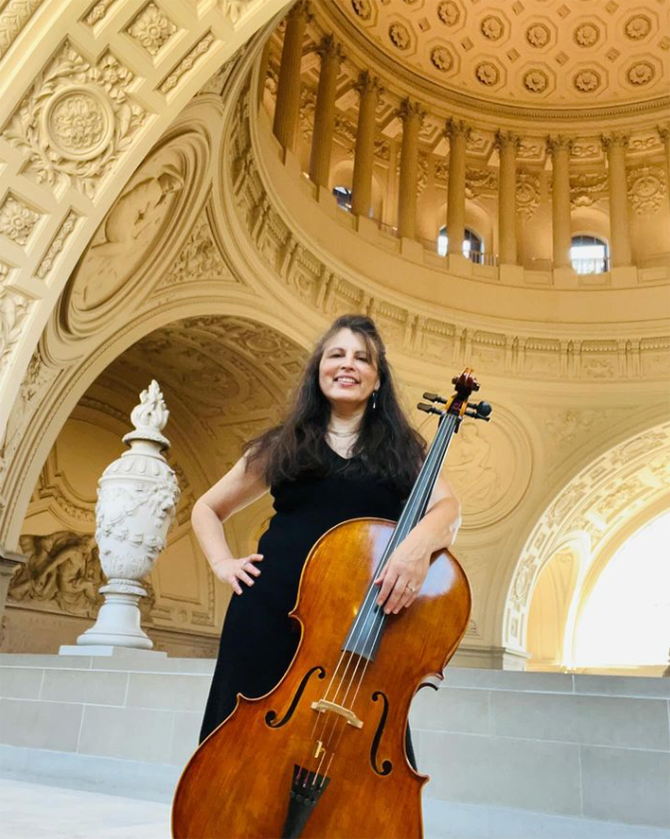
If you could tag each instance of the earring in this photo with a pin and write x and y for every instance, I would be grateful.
(374, 399)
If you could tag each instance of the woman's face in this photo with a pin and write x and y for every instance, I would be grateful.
(347, 373)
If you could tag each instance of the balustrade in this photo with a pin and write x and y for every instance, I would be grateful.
(405, 191)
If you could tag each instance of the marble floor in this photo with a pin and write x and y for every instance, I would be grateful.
(33, 811)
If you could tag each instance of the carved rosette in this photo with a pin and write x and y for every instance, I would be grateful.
(76, 120)
(137, 500)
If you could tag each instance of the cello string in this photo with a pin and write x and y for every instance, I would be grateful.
(418, 500)
(432, 466)
(432, 471)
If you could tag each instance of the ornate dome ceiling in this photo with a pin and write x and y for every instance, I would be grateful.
(553, 55)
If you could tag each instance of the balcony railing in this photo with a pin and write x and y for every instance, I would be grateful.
(599, 265)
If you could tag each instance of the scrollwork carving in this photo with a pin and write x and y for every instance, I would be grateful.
(187, 63)
(13, 17)
(76, 121)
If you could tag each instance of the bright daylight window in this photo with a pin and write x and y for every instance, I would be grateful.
(589, 255)
(473, 246)
(625, 621)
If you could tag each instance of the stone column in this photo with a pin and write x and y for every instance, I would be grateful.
(620, 252)
(559, 148)
(664, 133)
(370, 90)
(507, 144)
(412, 116)
(263, 71)
(9, 562)
(324, 113)
(458, 133)
(287, 106)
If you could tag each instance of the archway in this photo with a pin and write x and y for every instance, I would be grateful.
(596, 507)
(225, 379)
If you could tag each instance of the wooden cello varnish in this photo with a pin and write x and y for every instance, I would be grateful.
(323, 755)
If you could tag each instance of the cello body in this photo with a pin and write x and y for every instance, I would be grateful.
(251, 777)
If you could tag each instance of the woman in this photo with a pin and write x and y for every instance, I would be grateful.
(345, 451)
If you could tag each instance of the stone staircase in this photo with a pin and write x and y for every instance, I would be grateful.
(509, 753)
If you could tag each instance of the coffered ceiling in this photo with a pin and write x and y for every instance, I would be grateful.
(572, 55)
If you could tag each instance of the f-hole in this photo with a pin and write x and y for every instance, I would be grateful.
(386, 766)
(271, 716)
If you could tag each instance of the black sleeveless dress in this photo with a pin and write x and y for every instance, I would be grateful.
(258, 639)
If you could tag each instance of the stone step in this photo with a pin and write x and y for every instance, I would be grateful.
(570, 746)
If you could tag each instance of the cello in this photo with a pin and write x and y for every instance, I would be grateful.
(322, 755)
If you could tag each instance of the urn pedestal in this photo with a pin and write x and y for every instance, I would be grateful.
(137, 499)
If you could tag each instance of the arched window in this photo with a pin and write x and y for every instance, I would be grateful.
(473, 246)
(635, 585)
(343, 196)
(589, 255)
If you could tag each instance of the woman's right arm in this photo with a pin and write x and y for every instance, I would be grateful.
(237, 489)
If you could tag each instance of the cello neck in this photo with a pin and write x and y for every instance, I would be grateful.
(417, 503)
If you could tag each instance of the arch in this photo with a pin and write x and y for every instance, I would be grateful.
(69, 209)
(598, 502)
(552, 610)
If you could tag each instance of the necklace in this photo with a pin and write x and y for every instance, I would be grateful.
(342, 433)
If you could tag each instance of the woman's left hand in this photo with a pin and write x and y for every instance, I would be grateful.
(403, 575)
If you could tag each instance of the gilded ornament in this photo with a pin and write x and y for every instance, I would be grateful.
(16, 220)
(362, 8)
(640, 74)
(487, 74)
(399, 36)
(536, 81)
(492, 28)
(448, 12)
(638, 27)
(441, 59)
(151, 28)
(586, 81)
(538, 35)
(586, 35)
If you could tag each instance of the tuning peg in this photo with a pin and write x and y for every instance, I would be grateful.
(482, 411)
(433, 397)
(429, 409)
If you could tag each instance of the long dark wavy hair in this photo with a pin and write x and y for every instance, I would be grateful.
(387, 446)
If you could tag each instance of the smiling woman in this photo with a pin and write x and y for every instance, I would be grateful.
(345, 450)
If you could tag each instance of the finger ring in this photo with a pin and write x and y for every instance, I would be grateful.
(410, 588)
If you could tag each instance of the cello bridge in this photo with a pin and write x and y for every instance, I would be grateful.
(324, 705)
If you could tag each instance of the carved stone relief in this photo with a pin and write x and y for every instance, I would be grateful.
(76, 121)
(129, 232)
(63, 570)
(646, 189)
(151, 29)
(13, 17)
